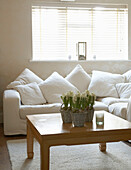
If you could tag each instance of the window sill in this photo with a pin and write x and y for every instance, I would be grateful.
(75, 61)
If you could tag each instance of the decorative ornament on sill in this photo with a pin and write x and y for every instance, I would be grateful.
(82, 50)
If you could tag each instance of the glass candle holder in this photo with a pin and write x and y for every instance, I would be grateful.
(100, 118)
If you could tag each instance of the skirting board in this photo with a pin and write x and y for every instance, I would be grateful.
(1, 117)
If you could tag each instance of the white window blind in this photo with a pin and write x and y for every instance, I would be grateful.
(57, 30)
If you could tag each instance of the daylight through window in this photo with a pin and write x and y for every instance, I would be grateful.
(56, 32)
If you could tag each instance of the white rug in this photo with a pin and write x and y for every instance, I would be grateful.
(80, 157)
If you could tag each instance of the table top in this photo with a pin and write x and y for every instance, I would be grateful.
(51, 123)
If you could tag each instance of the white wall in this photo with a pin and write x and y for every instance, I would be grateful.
(15, 45)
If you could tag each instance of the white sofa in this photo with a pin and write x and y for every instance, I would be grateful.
(15, 112)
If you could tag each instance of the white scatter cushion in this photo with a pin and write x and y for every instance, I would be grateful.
(127, 76)
(25, 77)
(103, 83)
(30, 94)
(54, 86)
(79, 78)
(124, 90)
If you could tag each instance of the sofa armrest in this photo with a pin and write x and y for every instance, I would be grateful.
(11, 106)
(12, 95)
(129, 110)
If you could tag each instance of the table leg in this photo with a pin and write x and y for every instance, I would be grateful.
(102, 147)
(44, 151)
(30, 141)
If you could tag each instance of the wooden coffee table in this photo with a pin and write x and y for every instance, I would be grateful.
(49, 130)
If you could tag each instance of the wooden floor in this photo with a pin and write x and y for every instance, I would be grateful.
(4, 155)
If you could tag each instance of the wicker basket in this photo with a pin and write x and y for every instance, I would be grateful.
(89, 115)
(78, 118)
(66, 116)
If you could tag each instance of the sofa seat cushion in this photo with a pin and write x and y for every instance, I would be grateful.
(100, 106)
(39, 109)
(111, 100)
(51, 108)
(119, 109)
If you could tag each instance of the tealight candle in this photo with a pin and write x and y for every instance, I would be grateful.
(100, 118)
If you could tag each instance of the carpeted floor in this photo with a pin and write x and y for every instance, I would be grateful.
(80, 157)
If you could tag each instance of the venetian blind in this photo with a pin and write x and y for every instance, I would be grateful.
(57, 30)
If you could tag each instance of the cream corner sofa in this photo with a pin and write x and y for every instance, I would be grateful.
(15, 112)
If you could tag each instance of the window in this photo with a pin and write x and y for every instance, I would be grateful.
(56, 32)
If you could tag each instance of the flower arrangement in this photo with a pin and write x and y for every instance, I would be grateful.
(79, 101)
(77, 108)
